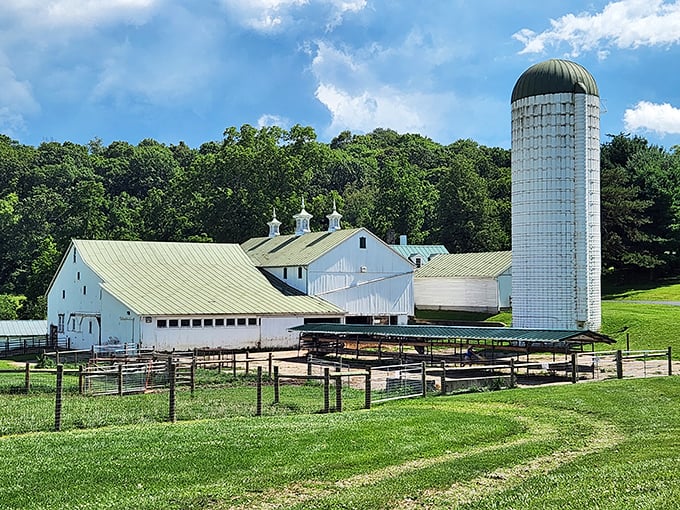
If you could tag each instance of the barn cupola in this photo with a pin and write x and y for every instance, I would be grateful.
(302, 221)
(334, 219)
(274, 225)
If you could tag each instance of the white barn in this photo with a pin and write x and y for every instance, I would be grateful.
(473, 282)
(174, 295)
(352, 268)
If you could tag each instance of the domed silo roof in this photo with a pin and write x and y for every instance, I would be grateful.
(552, 77)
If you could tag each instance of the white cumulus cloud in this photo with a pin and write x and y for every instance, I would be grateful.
(646, 116)
(624, 24)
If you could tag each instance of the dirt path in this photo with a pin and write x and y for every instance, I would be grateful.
(604, 436)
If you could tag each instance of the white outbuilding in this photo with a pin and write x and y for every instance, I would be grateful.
(174, 295)
(472, 282)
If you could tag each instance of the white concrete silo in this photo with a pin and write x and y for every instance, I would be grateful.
(556, 249)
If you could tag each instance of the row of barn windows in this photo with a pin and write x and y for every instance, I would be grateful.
(206, 323)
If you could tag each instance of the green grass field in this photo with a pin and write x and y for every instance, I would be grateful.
(597, 445)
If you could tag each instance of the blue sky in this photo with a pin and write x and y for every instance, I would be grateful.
(184, 70)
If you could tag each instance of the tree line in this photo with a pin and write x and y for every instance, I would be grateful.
(224, 191)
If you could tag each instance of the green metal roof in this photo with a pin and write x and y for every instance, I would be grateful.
(292, 250)
(461, 265)
(457, 332)
(554, 76)
(424, 250)
(163, 278)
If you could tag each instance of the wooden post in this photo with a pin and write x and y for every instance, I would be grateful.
(27, 378)
(193, 375)
(247, 364)
(338, 392)
(443, 378)
(423, 378)
(309, 364)
(120, 380)
(269, 366)
(219, 365)
(512, 373)
(326, 389)
(173, 383)
(58, 401)
(619, 365)
(233, 363)
(670, 362)
(81, 380)
(574, 368)
(57, 355)
(276, 384)
(367, 388)
(258, 410)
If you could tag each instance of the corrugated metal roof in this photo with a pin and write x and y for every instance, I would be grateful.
(23, 328)
(163, 278)
(291, 250)
(460, 265)
(457, 332)
(424, 250)
(554, 76)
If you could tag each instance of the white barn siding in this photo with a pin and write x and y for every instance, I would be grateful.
(367, 281)
(463, 294)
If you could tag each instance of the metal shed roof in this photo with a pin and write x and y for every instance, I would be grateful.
(424, 250)
(461, 265)
(458, 332)
(23, 328)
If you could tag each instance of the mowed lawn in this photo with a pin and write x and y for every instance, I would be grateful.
(603, 445)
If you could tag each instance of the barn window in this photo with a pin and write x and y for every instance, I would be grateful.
(219, 322)
(419, 262)
(73, 324)
(78, 275)
(362, 242)
(173, 323)
(241, 321)
(252, 321)
(161, 323)
(207, 323)
(196, 323)
(184, 323)
(231, 322)
(300, 273)
(84, 290)
(90, 327)
(63, 294)
(60, 327)
(74, 255)
(285, 273)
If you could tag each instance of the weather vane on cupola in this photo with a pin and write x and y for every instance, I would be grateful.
(274, 224)
(334, 219)
(302, 221)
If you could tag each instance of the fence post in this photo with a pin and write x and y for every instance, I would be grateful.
(27, 378)
(269, 366)
(367, 388)
(338, 391)
(443, 378)
(193, 375)
(276, 384)
(309, 364)
(619, 365)
(81, 381)
(574, 368)
(58, 400)
(258, 411)
(326, 389)
(512, 372)
(219, 365)
(233, 363)
(423, 378)
(120, 380)
(57, 355)
(173, 409)
(670, 362)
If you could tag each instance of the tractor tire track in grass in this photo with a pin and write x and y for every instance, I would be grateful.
(540, 427)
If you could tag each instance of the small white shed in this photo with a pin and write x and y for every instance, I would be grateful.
(473, 282)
